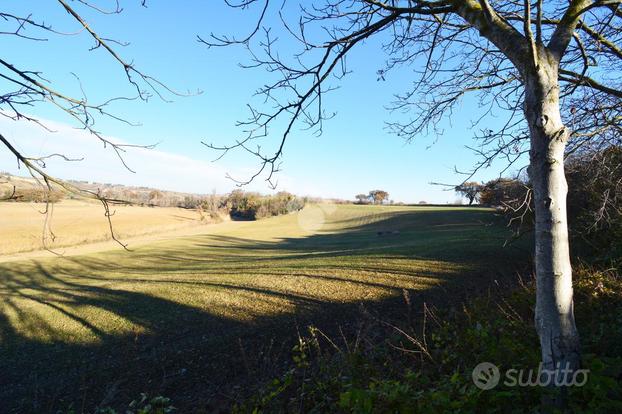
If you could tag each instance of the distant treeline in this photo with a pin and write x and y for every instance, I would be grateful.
(238, 204)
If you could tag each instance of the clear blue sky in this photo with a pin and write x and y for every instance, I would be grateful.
(355, 153)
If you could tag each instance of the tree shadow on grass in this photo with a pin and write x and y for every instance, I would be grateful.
(201, 319)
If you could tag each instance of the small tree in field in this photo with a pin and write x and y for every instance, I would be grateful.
(550, 66)
(378, 196)
(362, 198)
(470, 190)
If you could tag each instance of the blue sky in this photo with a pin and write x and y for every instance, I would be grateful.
(355, 153)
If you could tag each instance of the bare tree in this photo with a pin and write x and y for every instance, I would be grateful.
(470, 190)
(551, 67)
(24, 88)
(362, 198)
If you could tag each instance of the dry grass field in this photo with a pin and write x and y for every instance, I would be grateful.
(76, 222)
(194, 318)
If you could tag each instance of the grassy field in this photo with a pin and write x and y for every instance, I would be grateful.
(200, 318)
(76, 222)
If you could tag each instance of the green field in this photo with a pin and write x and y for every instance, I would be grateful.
(200, 318)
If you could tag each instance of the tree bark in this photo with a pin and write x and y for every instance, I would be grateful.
(554, 316)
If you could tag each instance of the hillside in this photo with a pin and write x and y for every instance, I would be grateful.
(133, 194)
(29, 227)
(202, 319)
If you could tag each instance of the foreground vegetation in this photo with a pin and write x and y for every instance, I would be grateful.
(205, 320)
(426, 365)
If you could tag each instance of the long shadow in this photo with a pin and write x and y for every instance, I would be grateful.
(201, 356)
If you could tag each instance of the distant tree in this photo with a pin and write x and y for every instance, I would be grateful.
(155, 196)
(378, 196)
(130, 195)
(189, 202)
(423, 202)
(362, 198)
(470, 190)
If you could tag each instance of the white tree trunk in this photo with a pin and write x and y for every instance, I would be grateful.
(554, 319)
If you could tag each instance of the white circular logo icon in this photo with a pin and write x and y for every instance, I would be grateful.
(486, 376)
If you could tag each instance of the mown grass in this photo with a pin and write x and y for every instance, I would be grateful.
(204, 319)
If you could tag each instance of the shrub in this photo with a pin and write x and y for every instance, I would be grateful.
(142, 405)
(595, 204)
(190, 202)
(503, 192)
(253, 206)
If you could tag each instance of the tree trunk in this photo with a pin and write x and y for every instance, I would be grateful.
(554, 318)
